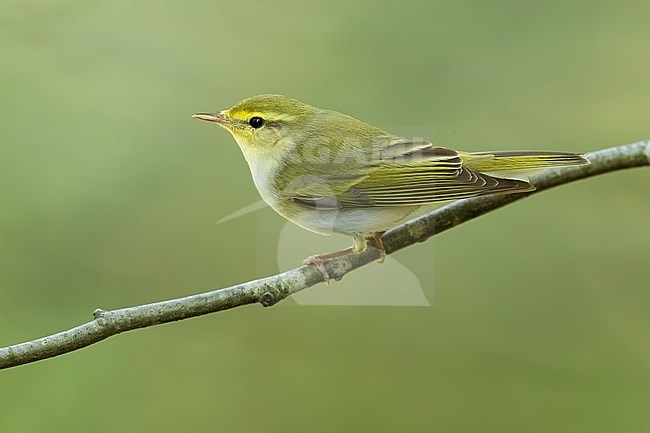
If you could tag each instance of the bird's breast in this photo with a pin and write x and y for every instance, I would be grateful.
(264, 173)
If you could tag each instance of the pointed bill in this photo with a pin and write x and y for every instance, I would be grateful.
(219, 118)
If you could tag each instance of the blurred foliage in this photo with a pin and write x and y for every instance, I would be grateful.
(110, 192)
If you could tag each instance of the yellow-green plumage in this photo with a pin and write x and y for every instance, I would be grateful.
(331, 173)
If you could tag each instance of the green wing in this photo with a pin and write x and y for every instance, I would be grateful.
(409, 173)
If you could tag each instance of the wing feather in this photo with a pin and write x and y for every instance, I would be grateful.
(411, 173)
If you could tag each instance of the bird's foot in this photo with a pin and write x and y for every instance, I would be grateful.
(319, 260)
(380, 246)
(360, 245)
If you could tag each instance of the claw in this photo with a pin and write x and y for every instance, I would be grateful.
(318, 261)
(380, 246)
(360, 246)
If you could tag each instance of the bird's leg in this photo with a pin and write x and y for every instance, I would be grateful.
(318, 260)
(380, 245)
(360, 245)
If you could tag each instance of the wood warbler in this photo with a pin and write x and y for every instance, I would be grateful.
(333, 174)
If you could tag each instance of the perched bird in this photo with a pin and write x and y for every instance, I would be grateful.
(333, 174)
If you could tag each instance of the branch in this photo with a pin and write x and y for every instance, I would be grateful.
(271, 290)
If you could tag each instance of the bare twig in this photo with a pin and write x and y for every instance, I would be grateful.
(271, 290)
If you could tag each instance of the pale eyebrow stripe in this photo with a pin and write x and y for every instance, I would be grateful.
(269, 116)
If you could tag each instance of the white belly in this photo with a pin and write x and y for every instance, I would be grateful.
(352, 221)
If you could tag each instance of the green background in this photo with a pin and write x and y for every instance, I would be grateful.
(110, 191)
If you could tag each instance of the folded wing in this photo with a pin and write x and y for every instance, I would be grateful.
(410, 173)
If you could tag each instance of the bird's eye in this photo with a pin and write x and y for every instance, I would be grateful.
(256, 122)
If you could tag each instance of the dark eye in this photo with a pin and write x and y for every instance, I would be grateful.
(256, 122)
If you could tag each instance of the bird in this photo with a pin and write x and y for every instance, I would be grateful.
(331, 173)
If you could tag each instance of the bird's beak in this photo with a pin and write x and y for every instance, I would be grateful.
(219, 118)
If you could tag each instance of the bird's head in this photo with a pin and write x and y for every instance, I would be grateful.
(263, 123)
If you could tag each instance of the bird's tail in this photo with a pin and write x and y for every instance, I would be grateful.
(519, 162)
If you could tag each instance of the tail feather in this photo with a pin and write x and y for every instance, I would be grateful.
(495, 162)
